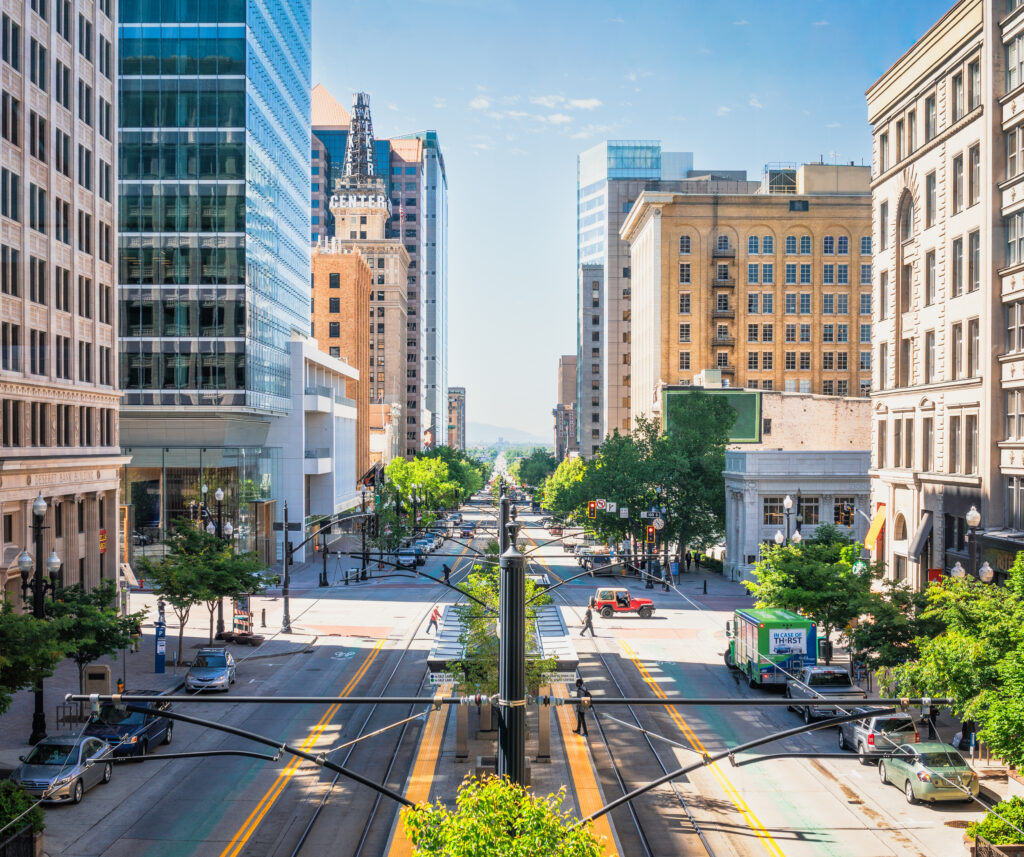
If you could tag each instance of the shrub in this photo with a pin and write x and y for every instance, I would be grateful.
(13, 802)
(995, 829)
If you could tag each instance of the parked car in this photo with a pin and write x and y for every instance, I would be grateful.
(820, 684)
(140, 539)
(556, 530)
(877, 734)
(426, 544)
(406, 558)
(62, 769)
(608, 601)
(455, 517)
(931, 772)
(466, 531)
(213, 669)
(132, 733)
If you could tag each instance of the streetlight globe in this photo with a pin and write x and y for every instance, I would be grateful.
(39, 506)
(25, 563)
(958, 571)
(985, 573)
(797, 538)
(53, 563)
(219, 495)
(779, 538)
(788, 503)
(211, 528)
(228, 529)
(973, 517)
(205, 488)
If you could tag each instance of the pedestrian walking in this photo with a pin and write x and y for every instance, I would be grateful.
(689, 558)
(447, 574)
(588, 622)
(581, 708)
(136, 634)
(435, 615)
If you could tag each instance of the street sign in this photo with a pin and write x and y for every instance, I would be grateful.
(601, 505)
(612, 506)
(292, 526)
(659, 523)
(647, 515)
(624, 511)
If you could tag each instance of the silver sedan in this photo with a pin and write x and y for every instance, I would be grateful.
(61, 769)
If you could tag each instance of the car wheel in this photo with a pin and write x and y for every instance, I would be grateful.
(908, 790)
(77, 790)
(729, 662)
(865, 759)
(143, 747)
(108, 772)
(807, 715)
(169, 734)
(606, 612)
(882, 777)
(841, 740)
(645, 612)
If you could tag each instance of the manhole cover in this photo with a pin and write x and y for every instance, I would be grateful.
(957, 823)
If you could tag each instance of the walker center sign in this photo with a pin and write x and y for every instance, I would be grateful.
(783, 641)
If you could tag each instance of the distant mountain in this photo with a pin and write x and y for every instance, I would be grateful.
(484, 433)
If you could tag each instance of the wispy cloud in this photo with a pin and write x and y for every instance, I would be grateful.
(741, 23)
(832, 125)
(820, 24)
(392, 107)
(616, 20)
(481, 102)
(483, 146)
(440, 103)
(584, 103)
(546, 100)
(588, 131)
(637, 74)
(556, 119)
(755, 102)
(723, 111)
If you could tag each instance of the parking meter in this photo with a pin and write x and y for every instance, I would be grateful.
(161, 648)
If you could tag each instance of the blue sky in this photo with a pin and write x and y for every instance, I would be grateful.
(516, 90)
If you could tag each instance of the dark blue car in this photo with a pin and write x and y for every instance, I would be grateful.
(132, 733)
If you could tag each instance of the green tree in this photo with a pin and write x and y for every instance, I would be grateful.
(824, 581)
(564, 491)
(29, 650)
(977, 660)
(435, 486)
(893, 619)
(534, 468)
(463, 469)
(89, 624)
(494, 816)
(16, 803)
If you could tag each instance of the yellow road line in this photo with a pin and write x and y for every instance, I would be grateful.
(270, 798)
(753, 822)
(581, 769)
(422, 776)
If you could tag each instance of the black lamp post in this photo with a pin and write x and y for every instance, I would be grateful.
(512, 661)
(787, 504)
(973, 518)
(362, 552)
(415, 506)
(39, 586)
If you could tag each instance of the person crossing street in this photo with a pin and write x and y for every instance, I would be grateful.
(588, 622)
(435, 615)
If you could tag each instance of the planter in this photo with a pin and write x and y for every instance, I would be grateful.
(984, 848)
(256, 640)
(24, 843)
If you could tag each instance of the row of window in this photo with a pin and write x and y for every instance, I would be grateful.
(961, 444)
(831, 361)
(809, 510)
(13, 353)
(40, 288)
(39, 424)
(831, 245)
(794, 303)
(964, 357)
(964, 97)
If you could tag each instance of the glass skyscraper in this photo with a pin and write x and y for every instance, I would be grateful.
(214, 249)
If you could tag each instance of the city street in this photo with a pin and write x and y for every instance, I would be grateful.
(358, 634)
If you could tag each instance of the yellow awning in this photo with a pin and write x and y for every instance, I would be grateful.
(877, 524)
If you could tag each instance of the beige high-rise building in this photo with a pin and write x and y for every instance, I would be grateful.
(456, 435)
(567, 379)
(771, 289)
(59, 394)
(948, 126)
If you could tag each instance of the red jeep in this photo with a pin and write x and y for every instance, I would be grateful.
(609, 601)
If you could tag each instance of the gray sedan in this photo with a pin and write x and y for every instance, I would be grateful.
(213, 669)
(61, 769)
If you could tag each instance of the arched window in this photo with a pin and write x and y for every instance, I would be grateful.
(768, 245)
(723, 242)
(752, 245)
(906, 227)
(899, 528)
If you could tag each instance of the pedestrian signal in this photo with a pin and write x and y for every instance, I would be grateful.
(650, 535)
(592, 509)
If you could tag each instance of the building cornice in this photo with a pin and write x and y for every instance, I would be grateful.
(937, 140)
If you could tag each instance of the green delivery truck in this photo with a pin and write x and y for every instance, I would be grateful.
(770, 645)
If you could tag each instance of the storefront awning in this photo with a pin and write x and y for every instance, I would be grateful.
(920, 537)
(877, 523)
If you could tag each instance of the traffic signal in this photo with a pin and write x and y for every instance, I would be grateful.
(650, 534)
(592, 509)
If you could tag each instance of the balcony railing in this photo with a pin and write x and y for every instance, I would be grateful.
(319, 390)
(723, 340)
(723, 313)
(319, 452)
(344, 400)
(726, 370)
(724, 282)
(727, 253)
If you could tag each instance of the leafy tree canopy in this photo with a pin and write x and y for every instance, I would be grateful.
(29, 650)
(494, 816)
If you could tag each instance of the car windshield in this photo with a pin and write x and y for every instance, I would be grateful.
(829, 679)
(945, 759)
(894, 724)
(52, 754)
(211, 661)
(111, 715)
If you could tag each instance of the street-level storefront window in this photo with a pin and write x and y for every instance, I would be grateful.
(773, 511)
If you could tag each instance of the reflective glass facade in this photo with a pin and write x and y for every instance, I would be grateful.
(214, 158)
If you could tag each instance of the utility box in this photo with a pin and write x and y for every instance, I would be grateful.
(97, 679)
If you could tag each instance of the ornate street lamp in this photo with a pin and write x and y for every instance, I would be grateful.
(973, 518)
(787, 504)
(779, 538)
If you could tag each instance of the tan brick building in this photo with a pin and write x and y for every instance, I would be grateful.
(773, 289)
(59, 395)
(341, 305)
